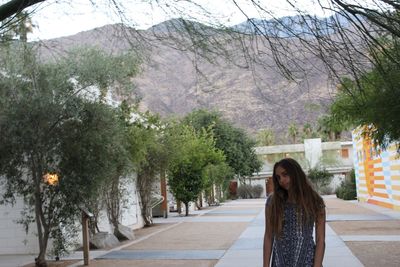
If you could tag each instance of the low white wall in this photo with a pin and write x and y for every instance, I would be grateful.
(13, 238)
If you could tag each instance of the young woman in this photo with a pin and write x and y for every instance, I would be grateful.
(290, 215)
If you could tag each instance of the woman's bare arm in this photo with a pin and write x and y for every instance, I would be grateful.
(319, 238)
(267, 240)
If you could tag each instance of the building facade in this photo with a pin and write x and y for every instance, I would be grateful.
(333, 156)
(377, 172)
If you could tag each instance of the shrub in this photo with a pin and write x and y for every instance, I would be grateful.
(257, 190)
(320, 178)
(250, 191)
(347, 189)
(326, 190)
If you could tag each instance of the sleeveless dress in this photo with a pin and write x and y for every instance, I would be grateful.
(295, 247)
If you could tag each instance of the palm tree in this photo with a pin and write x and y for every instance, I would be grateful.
(265, 137)
(293, 132)
(307, 130)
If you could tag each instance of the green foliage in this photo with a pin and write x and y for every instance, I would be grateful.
(308, 132)
(218, 175)
(236, 145)
(265, 137)
(93, 67)
(246, 191)
(320, 177)
(17, 28)
(348, 189)
(150, 151)
(293, 132)
(47, 127)
(193, 152)
(373, 100)
(330, 127)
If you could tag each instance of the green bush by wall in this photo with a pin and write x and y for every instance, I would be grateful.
(347, 189)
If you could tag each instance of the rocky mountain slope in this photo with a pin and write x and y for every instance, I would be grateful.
(173, 81)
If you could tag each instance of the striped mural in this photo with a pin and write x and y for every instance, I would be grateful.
(377, 172)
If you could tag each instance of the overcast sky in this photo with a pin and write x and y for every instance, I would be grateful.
(56, 18)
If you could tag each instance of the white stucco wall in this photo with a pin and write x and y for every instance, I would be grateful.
(13, 238)
(313, 151)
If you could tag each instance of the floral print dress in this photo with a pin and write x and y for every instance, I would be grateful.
(296, 246)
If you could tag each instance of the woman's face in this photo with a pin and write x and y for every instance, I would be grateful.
(283, 177)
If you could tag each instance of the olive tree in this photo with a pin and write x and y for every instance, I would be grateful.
(57, 146)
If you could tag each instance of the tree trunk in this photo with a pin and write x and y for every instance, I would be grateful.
(187, 208)
(201, 200)
(42, 228)
(218, 192)
(179, 206)
(15, 6)
(40, 261)
(212, 194)
(146, 214)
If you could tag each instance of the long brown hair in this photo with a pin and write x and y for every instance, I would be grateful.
(308, 202)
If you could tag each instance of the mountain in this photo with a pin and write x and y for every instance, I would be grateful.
(289, 26)
(175, 81)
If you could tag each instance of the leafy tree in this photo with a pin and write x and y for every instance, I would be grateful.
(92, 67)
(331, 127)
(216, 175)
(265, 137)
(48, 128)
(147, 140)
(376, 106)
(238, 148)
(195, 152)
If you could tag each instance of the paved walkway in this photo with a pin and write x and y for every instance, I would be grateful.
(247, 250)
(232, 234)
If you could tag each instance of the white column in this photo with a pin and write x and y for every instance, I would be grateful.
(313, 151)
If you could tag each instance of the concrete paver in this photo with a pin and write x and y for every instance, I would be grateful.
(377, 254)
(165, 254)
(368, 228)
(232, 234)
(153, 263)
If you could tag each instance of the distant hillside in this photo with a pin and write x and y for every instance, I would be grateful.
(172, 82)
(290, 26)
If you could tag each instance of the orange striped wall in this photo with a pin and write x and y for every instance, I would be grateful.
(377, 172)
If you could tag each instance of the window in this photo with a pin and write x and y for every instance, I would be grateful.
(345, 153)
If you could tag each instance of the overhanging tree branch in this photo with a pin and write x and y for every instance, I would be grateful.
(15, 6)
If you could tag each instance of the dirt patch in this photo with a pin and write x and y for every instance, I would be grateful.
(376, 254)
(152, 263)
(197, 235)
(366, 227)
(338, 206)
